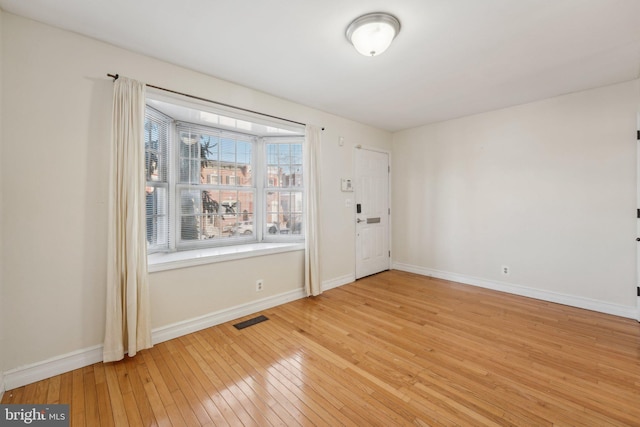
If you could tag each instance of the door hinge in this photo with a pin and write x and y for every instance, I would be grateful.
(638, 213)
(638, 135)
(638, 291)
(389, 254)
(389, 169)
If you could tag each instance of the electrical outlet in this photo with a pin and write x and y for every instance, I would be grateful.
(259, 285)
(505, 270)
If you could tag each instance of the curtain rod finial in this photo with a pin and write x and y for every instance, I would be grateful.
(114, 76)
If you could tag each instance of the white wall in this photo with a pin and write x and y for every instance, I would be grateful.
(54, 176)
(547, 189)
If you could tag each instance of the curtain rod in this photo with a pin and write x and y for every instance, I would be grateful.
(116, 76)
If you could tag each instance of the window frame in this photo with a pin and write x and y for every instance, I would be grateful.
(267, 187)
(258, 189)
(177, 186)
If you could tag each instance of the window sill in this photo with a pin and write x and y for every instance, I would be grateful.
(170, 261)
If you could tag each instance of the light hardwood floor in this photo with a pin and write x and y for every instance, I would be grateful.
(391, 349)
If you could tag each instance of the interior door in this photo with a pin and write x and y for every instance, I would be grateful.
(372, 212)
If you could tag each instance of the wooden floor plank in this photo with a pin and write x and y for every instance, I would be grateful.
(30, 392)
(102, 395)
(312, 407)
(66, 388)
(134, 367)
(313, 377)
(77, 408)
(321, 400)
(53, 394)
(200, 384)
(191, 401)
(92, 412)
(249, 409)
(391, 349)
(115, 395)
(257, 381)
(222, 400)
(185, 409)
(204, 367)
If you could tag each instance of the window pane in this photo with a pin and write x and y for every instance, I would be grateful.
(235, 207)
(156, 216)
(272, 154)
(214, 214)
(244, 226)
(283, 153)
(151, 147)
(296, 165)
(189, 171)
(155, 146)
(189, 227)
(190, 149)
(209, 146)
(228, 162)
(296, 154)
(296, 175)
(284, 165)
(284, 212)
(210, 158)
(192, 222)
(243, 164)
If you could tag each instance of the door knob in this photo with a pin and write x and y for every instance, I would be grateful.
(637, 239)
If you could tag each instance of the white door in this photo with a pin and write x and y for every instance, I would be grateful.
(372, 212)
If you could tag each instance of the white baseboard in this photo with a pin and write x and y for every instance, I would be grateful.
(31, 373)
(338, 281)
(571, 300)
(179, 329)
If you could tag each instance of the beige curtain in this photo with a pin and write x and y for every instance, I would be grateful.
(128, 322)
(312, 281)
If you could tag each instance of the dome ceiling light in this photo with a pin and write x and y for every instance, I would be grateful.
(371, 34)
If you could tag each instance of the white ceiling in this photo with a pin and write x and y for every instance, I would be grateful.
(452, 57)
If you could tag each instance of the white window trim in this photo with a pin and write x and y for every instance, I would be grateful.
(163, 261)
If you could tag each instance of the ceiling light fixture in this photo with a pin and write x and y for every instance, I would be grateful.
(371, 34)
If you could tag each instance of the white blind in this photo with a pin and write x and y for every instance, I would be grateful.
(156, 145)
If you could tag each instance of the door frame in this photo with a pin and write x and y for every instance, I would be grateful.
(356, 148)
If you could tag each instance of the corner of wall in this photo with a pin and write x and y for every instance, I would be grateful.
(525, 291)
(29, 374)
(338, 281)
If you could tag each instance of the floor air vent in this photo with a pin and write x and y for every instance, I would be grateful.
(250, 322)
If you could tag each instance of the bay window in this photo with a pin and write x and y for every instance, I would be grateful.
(217, 180)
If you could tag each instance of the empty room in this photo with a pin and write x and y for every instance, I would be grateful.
(419, 212)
